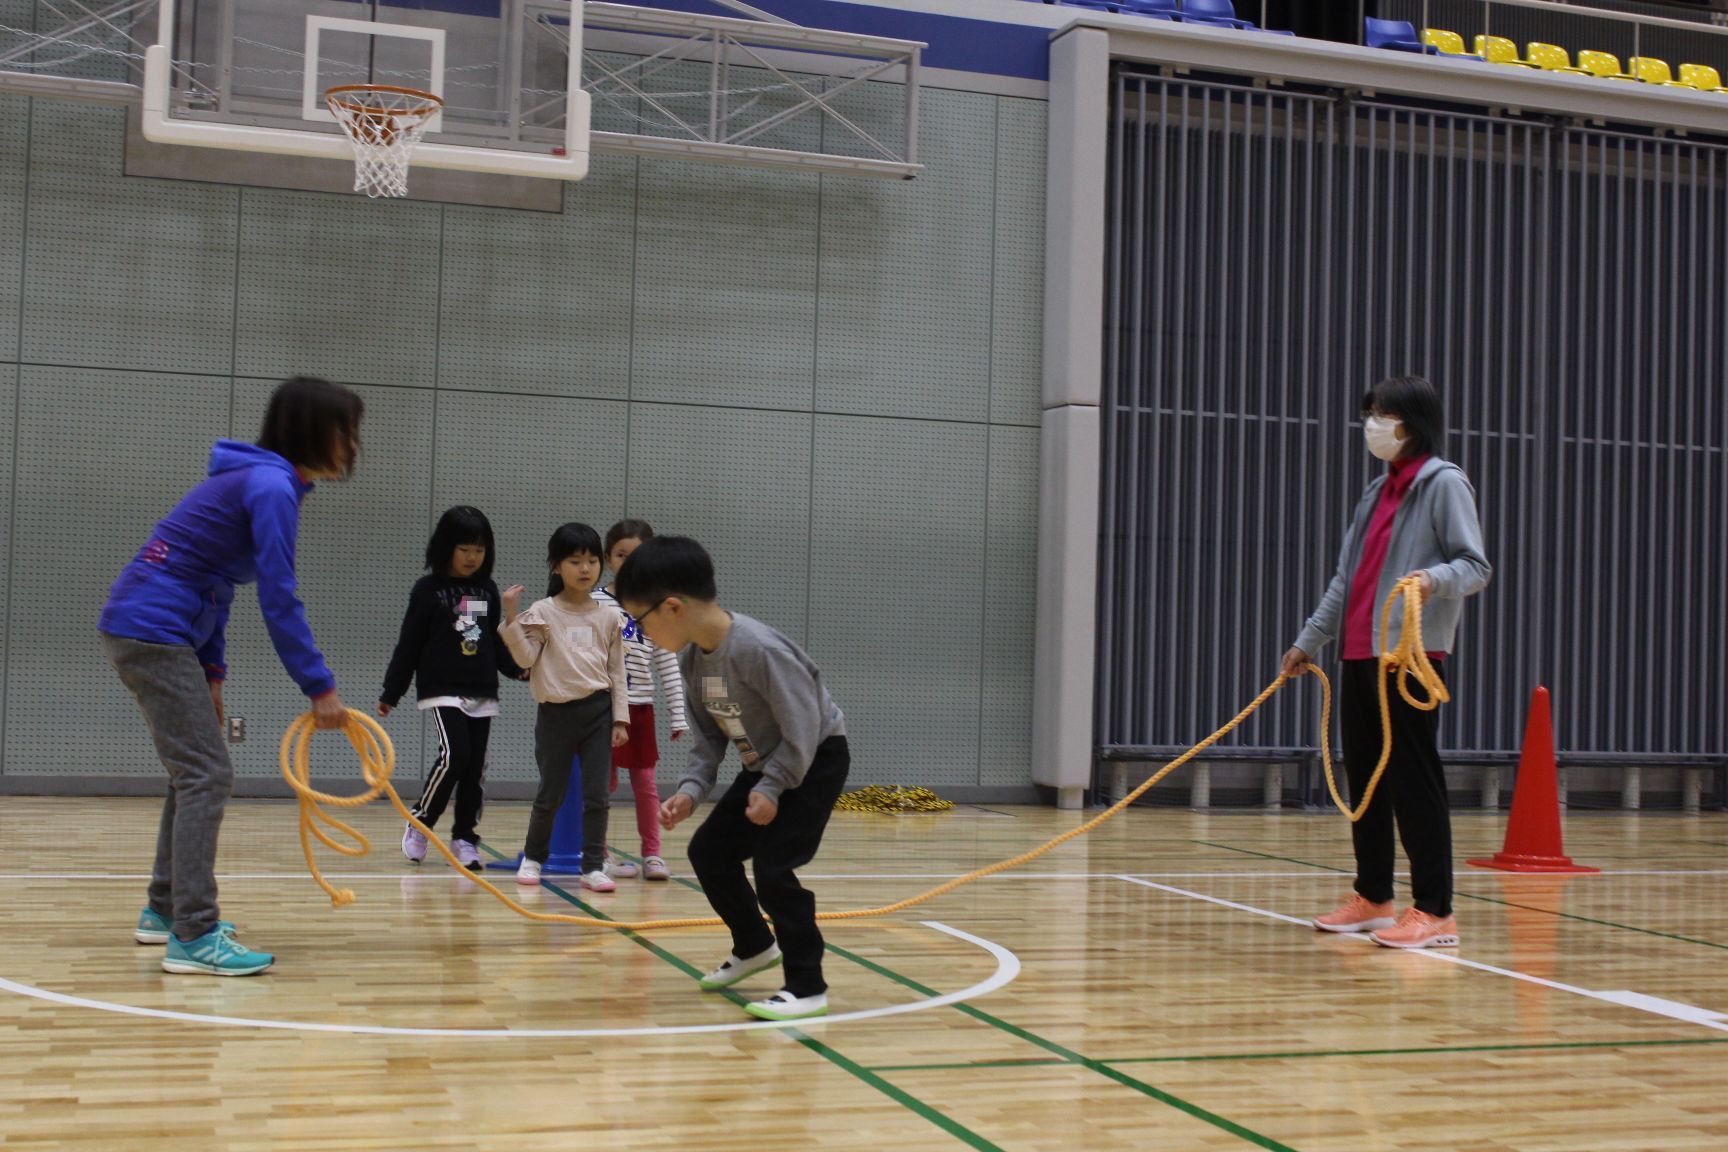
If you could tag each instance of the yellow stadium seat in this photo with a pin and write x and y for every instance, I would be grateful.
(1654, 71)
(1603, 64)
(1449, 43)
(1551, 58)
(1499, 50)
(1702, 77)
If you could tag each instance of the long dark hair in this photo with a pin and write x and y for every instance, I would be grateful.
(463, 524)
(307, 417)
(1416, 404)
(570, 540)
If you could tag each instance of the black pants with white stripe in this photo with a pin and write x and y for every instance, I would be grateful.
(459, 768)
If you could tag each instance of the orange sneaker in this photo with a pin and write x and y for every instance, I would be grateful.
(1359, 915)
(1417, 929)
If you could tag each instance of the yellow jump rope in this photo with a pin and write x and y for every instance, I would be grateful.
(1408, 661)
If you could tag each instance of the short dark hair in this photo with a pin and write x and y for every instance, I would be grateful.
(628, 530)
(1416, 404)
(570, 539)
(666, 566)
(305, 418)
(463, 524)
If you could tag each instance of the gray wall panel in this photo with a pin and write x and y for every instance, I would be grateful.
(1017, 275)
(653, 352)
(906, 274)
(531, 305)
(1010, 600)
(740, 483)
(131, 274)
(359, 301)
(896, 591)
(735, 325)
(14, 175)
(85, 501)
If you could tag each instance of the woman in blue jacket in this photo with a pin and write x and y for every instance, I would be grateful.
(1416, 519)
(162, 629)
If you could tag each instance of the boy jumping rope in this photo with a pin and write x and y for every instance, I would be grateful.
(758, 690)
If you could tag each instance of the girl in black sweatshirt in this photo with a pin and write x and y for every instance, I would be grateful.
(450, 647)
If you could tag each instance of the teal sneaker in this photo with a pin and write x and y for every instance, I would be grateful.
(154, 929)
(216, 953)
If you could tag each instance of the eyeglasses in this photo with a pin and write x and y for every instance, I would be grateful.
(643, 618)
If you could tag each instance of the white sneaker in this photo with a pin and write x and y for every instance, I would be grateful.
(654, 868)
(622, 869)
(528, 872)
(732, 969)
(598, 881)
(785, 1006)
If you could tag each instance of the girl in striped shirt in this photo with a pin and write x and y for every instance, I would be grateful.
(641, 755)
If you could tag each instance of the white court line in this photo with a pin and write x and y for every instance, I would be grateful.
(1007, 968)
(1654, 1005)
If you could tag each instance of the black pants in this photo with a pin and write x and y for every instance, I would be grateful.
(726, 839)
(577, 729)
(1412, 792)
(460, 769)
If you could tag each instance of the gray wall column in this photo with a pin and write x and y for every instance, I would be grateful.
(1068, 467)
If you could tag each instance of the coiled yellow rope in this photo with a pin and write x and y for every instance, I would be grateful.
(892, 798)
(378, 761)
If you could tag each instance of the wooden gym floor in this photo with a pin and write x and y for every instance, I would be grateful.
(1149, 986)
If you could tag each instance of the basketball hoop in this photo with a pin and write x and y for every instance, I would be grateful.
(384, 123)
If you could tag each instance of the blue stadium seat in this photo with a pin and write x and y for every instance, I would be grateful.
(1399, 35)
(1095, 5)
(1218, 13)
(1151, 9)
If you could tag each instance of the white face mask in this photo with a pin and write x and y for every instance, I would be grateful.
(1381, 433)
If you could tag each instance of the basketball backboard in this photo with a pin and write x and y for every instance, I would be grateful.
(251, 75)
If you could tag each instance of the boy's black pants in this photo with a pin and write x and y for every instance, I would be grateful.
(727, 839)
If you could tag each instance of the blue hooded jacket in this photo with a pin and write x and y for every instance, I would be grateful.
(238, 526)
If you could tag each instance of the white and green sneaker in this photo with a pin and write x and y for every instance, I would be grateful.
(154, 929)
(785, 1006)
(732, 969)
(216, 953)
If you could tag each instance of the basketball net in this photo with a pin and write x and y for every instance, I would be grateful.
(383, 123)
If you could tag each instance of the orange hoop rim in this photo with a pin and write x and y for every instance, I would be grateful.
(433, 103)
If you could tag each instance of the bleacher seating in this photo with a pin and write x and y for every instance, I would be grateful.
(1401, 36)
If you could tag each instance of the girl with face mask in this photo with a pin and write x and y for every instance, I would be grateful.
(1417, 519)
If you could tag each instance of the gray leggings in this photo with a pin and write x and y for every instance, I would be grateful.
(168, 682)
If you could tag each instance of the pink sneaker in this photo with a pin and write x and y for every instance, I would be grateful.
(1417, 929)
(598, 881)
(1359, 915)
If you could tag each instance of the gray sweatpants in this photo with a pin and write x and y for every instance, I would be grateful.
(168, 682)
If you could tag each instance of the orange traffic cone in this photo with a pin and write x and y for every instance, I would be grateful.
(1533, 833)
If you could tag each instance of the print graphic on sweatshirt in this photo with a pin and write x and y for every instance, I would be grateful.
(468, 624)
(726, 714)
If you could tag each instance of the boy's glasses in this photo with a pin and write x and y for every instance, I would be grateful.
(644, 617)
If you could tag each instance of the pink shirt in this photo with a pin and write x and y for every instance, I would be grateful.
(1359, 609)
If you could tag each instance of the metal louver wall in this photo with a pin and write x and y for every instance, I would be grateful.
(1272, 254)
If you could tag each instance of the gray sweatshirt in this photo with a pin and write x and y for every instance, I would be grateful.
(759, 691)
(1435, 531)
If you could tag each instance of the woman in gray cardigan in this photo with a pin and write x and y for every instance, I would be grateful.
(1418, 519)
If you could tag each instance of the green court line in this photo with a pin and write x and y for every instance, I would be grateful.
(1068, 1056)
(898, 1095)
(1557, 1046)
(1489, 900)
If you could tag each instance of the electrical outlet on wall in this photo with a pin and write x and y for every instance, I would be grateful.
(236, 729)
